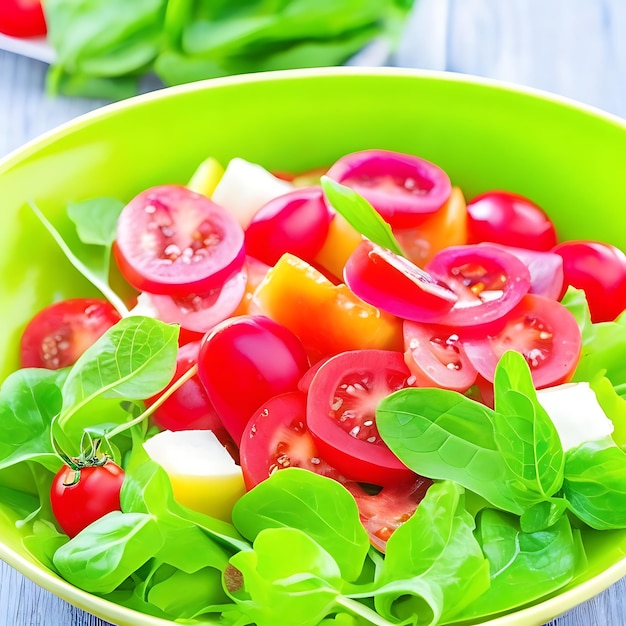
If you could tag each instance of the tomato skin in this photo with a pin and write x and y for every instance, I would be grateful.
(96, 493)
(600, 270)
(175, 242)
(277, 437)
(244, 362)
(509, 219)
(58, 335)
(22, 18)
(403, 188)
(540, 328)
(296, 222)
(488, 280)
(436, 358)
(341, 407)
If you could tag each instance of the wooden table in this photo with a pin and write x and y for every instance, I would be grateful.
(573, 47)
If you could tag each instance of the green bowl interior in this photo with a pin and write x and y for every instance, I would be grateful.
(486, 135)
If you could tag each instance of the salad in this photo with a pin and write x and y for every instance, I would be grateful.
(341, 396)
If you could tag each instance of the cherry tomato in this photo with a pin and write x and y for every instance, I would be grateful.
(277, 437)
(510, 219)
(600, 270)
(173, 241)
(189, 407)
(22, 18)
(384, 511)
(436, 357)
(256, 271)
(541, 329)
(61, 332)
(245, 361)
(403, 188)
(394, 284)
(488, 281)
(296, 222)
(341, 413)
(80, 497)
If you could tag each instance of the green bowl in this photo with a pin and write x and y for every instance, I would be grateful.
(566, 157)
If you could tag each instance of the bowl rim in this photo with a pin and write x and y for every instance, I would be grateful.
(39, 574)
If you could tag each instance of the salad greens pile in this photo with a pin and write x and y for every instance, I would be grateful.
(103, 47)
(502, 526)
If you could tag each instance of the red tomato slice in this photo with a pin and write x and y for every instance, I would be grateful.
(600, 270)
(541, 329)
(436, 357)
(381, 513)
(509, 219)
(296, 222)
(395, 285)
(61, 332)
(341, 413)
(22, 18)
(277, 437)
(488, 281)
(173, 241)
(245, 361)
(403, 188)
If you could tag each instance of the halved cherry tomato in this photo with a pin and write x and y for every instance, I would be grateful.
(256, 271)
(61, 332)
(488, 281)
(436, 357)
(22, 18)
(396, 285)
(510, 219)
(384, 511)
(80, 497)
(296, 222)
(277, 437)
(447, 226)
(328, 318)
(403, 188)
(341, 413)
(542, 330)
(600, 270)
(244, 362)
(175, 242)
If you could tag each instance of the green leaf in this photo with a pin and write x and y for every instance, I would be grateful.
(91, 261)
(318, 506)
(105, 553)
(524, 566)
(595, 484)
(29, 400)
(134, 359)
(360, 214)
(435, 550)
(96, 221)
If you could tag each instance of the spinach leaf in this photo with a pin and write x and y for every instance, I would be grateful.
(108, 551)
(524, 566)
(29, 400)
(318, 506)
(595, 484)
(434, 566)
(134, 359)
(360, 214)
(92, 261)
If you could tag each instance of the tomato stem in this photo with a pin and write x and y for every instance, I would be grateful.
(149, 411)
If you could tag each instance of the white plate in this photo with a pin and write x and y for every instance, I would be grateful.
(34, 47)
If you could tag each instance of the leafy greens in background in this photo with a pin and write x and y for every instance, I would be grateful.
(104, 47)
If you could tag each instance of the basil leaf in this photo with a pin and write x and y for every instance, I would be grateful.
(360, 214)
(134, 359)
(318, 506)
(108, 551)
(435, 545)
(91, 261)
(524, 566)
(595, 484)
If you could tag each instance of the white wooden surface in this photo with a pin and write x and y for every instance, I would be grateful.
(573, 47)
